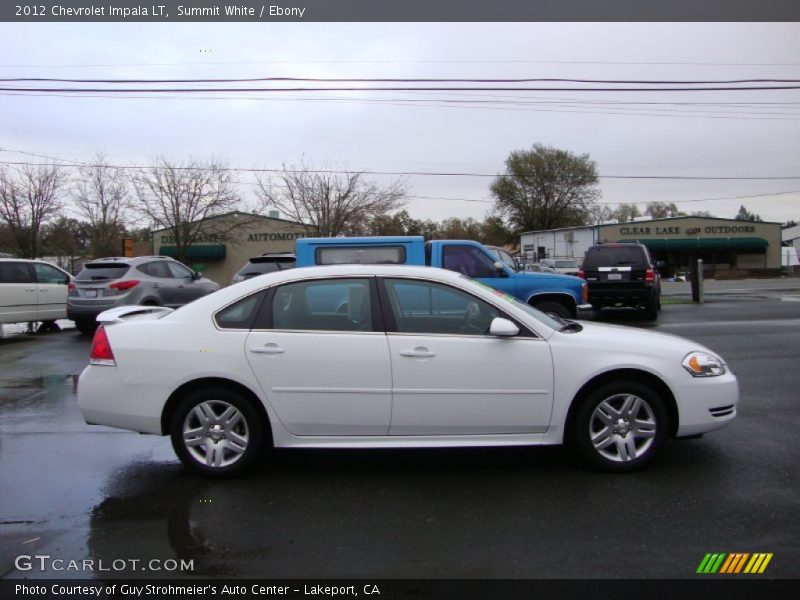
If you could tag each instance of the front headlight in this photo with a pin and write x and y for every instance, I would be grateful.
(703, 364)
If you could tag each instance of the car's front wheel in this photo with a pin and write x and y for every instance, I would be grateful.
(621, 426)
(217, 433)
(551, 307)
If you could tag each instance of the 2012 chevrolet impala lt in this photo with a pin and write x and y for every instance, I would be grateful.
(371, 356)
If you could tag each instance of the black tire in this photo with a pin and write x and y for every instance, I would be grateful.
(616, 456)
(217, 439)
(651, 309)
(86, 327)
(552, 307)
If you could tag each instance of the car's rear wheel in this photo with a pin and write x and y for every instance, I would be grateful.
(651, 309)
(86, 326)
(551, 307)
(217, 433)
(621, 426)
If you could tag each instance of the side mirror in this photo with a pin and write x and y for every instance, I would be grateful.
(503, 328)
(501, 271)
(196, 274)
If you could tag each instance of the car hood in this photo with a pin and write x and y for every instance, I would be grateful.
(621, 338)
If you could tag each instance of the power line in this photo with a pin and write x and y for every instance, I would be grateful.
(68, 90)
(402, 61)
(407, 80)
(408, 173)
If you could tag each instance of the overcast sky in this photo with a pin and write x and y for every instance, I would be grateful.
(744, 133)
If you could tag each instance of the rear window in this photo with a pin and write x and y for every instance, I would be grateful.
(356, 255)
(102, 271)
(614, 256)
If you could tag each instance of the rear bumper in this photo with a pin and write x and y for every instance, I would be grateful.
(104, 399)
(610, 296)
(89, 309)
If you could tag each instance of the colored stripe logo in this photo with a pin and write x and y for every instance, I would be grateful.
(734, 563)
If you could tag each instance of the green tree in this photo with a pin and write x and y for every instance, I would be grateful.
(662, 210)
(626, 212)
(746, 215)
(545, 188)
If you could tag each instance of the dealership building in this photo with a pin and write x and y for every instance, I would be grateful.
(723, 244)
(226, 242)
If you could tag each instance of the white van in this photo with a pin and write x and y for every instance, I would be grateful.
(32, 290)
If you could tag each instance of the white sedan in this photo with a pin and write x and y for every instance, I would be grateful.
(369, 356)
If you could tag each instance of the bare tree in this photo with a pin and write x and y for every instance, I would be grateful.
(29, 197)
(331, 203)
(101, 198)
(179, 197)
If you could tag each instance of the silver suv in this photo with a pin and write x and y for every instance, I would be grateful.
(146, 280)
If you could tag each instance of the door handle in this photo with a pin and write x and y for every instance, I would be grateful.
(267, 349)
(30, 289)
(418, 352)
(155, 285)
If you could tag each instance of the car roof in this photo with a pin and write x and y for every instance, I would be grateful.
(126, 260)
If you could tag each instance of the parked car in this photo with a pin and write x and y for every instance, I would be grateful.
(32, 291)
(565, 266)
(560, 295)
(622, 275)
(145, 280)
(266, 263)
(422, 357)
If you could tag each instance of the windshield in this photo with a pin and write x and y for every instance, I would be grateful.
(535, 313)
(504, 257)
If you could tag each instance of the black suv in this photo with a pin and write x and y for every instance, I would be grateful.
(266, 263)
(622, 275)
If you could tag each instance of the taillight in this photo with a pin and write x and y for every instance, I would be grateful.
(121, 286)
(101, 353)
(72, 289)
(585, 292)
(581, 274)
(650, 275)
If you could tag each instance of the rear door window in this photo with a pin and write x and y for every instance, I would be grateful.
(156, 268)
(102, 272)
(15, 272)
(323, 305)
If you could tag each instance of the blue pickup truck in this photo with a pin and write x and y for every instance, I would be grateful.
(561, 295)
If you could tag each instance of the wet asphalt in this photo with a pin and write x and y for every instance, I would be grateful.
(75, 491)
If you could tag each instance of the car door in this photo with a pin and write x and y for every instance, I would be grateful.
(17, 292)
(322, 359)
(188, 288)
(474, 262)
(163, 285)
(51, 292)
(449, 376)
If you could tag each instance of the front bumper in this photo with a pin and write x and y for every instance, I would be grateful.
(705, 404)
